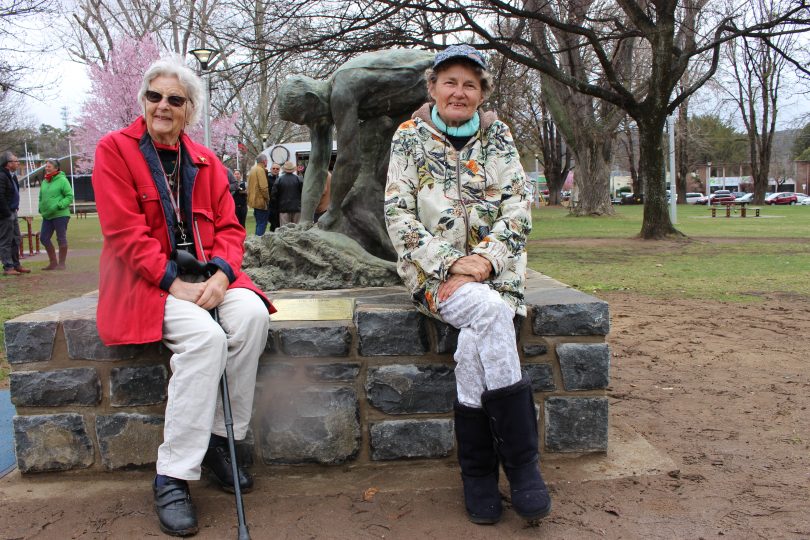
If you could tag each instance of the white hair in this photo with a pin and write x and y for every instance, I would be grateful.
(174, 66)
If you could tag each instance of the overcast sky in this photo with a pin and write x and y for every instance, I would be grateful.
(69, 89)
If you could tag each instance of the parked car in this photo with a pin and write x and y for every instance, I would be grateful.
(801, 197)
(782, 198)
(692, 198)
(805, 202)
(745, 198)
(721, 196)
(633, 198)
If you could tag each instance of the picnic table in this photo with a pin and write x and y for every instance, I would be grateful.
(730, 205)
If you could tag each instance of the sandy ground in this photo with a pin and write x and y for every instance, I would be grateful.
(709, 438)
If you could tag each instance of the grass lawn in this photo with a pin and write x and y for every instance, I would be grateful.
(721, 259)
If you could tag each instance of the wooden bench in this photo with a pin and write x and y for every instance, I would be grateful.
(82, 209)
(31, 235)
(729, 206)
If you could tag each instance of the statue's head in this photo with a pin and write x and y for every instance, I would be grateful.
(304, 100)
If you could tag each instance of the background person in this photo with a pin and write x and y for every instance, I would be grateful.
(156, 191)
(287, 195)
(258, 193)
(55, 198)
(272, 220)
(457, 211)
(10, 236)
(239, 193)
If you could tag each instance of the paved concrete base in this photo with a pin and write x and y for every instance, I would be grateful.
(629, 455)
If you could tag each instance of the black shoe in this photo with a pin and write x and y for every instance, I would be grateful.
(174, 508)
(217, 461)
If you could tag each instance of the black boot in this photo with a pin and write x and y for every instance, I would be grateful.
(479, 465)
(217, 461)
(174, 508)
(511, 413)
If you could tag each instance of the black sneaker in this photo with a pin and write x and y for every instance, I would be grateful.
(217, 461)
(174, 508)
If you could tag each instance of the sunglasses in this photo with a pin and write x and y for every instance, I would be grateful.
(156, 97)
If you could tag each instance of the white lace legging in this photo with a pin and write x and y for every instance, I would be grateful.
(486, 356)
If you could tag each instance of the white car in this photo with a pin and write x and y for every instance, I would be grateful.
(744, 199)
(692, 198)
(805, 201)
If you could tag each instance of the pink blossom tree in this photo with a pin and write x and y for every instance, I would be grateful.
(113, 102)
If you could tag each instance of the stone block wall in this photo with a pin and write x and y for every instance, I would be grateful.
(374, 387)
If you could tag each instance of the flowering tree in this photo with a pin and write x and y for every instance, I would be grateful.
(222, 128)
(113, 102)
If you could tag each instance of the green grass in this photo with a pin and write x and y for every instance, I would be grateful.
(734, 259)
(693, 220)
(24, 294)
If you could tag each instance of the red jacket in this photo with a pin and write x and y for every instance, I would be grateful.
(135, 268)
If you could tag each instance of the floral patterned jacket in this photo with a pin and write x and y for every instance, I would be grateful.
(442, 204)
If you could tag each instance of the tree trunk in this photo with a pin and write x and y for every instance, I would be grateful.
(681, 157)
(631, 159)
(556, 161)
(590, 139)
(656, 224)
(592, 178)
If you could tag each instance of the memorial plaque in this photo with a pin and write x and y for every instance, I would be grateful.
(313, 309)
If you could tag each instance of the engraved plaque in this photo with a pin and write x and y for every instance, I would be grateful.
(312, 309)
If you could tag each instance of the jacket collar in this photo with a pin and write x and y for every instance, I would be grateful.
(423, 113)
(137, 129)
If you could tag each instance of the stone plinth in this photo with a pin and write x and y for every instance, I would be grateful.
(378, 386)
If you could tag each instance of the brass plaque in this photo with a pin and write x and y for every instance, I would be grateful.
(312, 309)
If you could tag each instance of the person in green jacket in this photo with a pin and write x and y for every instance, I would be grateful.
(55, 198)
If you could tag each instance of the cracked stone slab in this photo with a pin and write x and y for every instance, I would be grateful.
(309, 424)
(30, 338)
(398, 439)
(584, 366)
(57, 388)
(407, 389)
(83, 342)
(576, 424)
(52, 442)
(390, 331)
(128, 440)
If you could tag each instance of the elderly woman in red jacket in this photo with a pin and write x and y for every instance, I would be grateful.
(158, 191)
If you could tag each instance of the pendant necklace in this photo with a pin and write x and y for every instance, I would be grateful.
(173, 180)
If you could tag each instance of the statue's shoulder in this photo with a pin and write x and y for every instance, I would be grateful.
(391, 59)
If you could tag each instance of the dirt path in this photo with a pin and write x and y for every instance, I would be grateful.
(722, 390)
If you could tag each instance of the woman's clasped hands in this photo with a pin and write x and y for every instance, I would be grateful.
(468, 269)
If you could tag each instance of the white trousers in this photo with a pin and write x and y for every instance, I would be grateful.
(486, 356)
(202, 350)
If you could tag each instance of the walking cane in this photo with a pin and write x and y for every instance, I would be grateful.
(188, 263)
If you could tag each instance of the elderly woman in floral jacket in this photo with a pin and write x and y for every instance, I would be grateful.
(457, 211)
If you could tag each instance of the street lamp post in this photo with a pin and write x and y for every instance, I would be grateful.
(264, 137)
(204, 57)
(708, 176)
(673, 188)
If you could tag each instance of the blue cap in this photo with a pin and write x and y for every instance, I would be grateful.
(460, 51)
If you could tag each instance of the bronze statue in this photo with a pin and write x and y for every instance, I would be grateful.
(365, 100)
